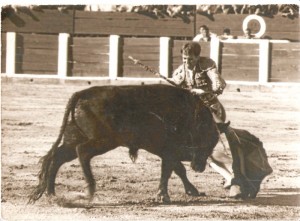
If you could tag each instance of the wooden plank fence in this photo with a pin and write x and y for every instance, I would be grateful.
(45, 21)
(239, 61)
(131, 24)
(137, 24)
(285, 65)
(97, 44)
(88, 56)
(3, 52)
(36, 53)
(144, 49)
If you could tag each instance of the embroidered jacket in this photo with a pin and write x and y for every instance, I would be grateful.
(204, 76)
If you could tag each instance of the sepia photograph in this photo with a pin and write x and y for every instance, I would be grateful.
(114, 110)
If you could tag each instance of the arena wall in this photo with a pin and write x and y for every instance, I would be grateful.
(145, 48)
(36, 53)
(240, 61)
(137, 24)
(88, 45)
(285, 62)
(131, 24)
(88, 56)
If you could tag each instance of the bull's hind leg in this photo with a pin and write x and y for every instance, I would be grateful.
(64, 154)
(85, 152)
(190, 189)
(167, 166)
(166, 171)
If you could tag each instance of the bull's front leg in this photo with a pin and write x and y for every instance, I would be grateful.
(190, 189)
(166, 171)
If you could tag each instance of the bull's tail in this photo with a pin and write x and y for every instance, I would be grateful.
(47, 160)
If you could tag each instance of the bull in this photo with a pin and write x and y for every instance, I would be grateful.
(169, 122)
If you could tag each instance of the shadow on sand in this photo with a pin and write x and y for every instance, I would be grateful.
(278, 197)
(273, 197)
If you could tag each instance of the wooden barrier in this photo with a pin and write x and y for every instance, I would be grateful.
(3, 52)
(36, 53)
(138, 24)
(131, 24)
(239, 61)
(251, 60)
(145, 49)
(89, 56)
(44, 21)
(285, 66)
(97, 44)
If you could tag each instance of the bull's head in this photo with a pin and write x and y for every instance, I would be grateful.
(205, 136)
(199, 158)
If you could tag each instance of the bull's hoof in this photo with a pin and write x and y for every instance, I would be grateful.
(192, 191)
(50, 193)
(75, 200)
(163, 198)
(51, 199)
(202, 194)
(76, 196)
(249, 194)
(253, 195)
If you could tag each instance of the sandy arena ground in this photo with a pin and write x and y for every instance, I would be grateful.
(31, 117)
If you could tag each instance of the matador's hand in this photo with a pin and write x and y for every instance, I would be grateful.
(198, 91)
(218, 92)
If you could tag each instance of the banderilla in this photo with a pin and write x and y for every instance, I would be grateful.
(147, 68)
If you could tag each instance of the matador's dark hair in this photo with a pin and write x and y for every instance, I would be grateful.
(191, 48)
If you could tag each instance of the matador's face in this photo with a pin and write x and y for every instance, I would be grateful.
(189, 61)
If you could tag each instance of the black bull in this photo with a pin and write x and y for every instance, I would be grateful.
(164, 120)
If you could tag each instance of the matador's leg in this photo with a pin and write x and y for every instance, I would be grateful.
(222, 163)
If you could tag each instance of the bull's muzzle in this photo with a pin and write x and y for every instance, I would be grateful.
(198, 162)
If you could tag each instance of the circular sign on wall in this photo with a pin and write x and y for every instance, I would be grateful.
(261, 22)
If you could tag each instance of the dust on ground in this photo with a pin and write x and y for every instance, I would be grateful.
(32, 115)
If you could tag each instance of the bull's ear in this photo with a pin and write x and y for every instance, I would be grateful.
(223, 126)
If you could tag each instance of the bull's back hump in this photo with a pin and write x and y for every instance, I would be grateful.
(139, 93)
